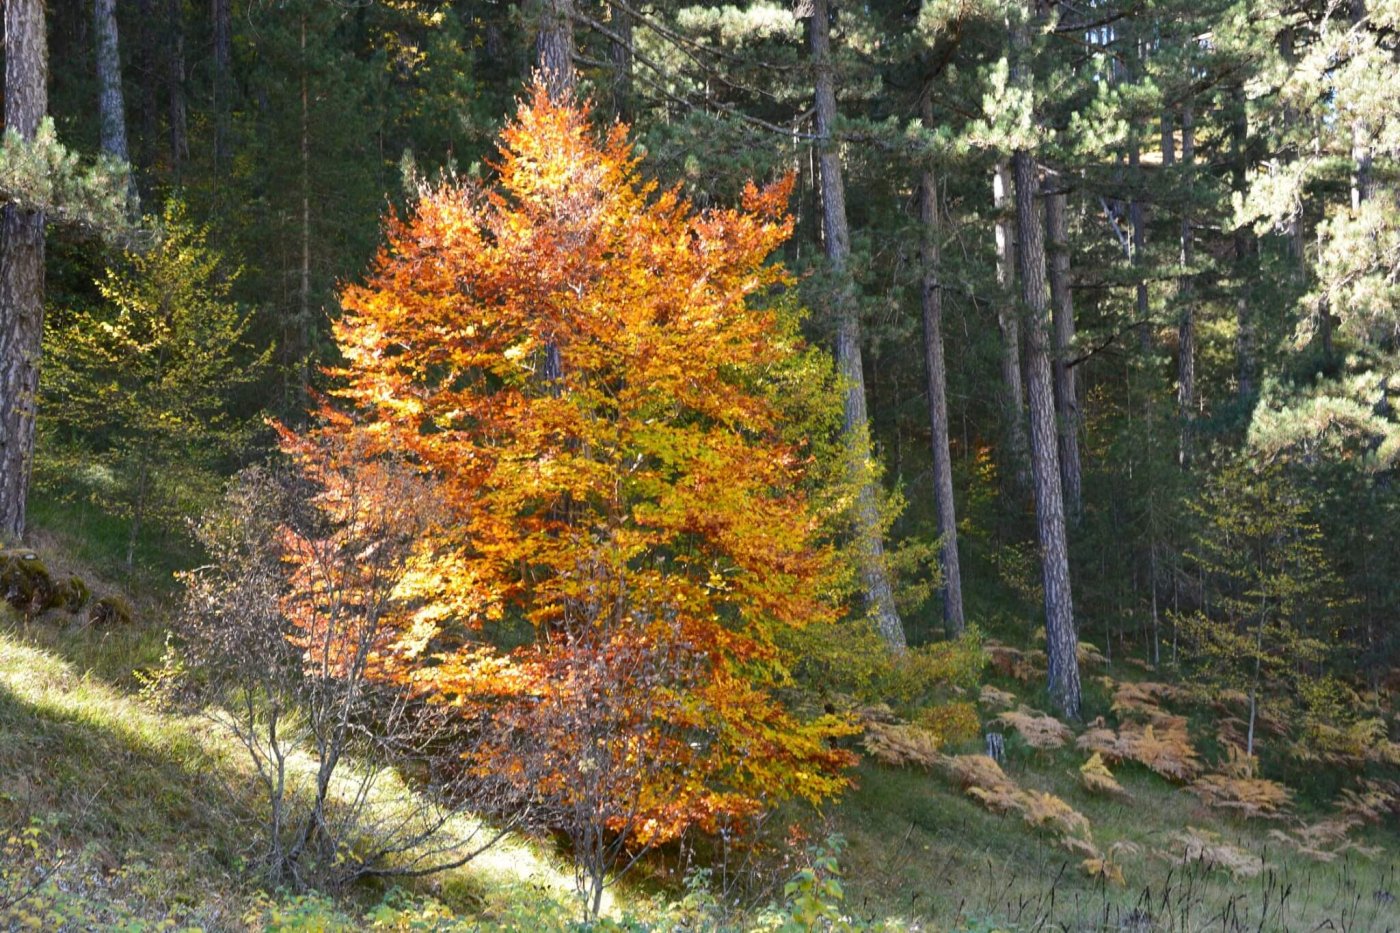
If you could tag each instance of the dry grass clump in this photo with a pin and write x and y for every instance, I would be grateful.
(1024, 666)
(996, 699)
(1200, 845)
(1039, 730)
(1097, 779)
(902, 744)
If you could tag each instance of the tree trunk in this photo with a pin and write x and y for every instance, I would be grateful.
(554, 46)
(622, 64)
(111, 101)
(1244, 335)
(879, 595)
(1186, 298)
(1062, 310)
(1138, 221)
(175, 85)
(222, 18)
(21, 268)
(303, 325)
(1061, 641)
(109, 80)
(1009, 323)
(936, 372)
(148, 35)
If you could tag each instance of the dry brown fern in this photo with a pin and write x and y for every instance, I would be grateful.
(1164, 748)
(996, 699)
(901, 744)
(1039, 730)
(982, 779)
(1097, 779)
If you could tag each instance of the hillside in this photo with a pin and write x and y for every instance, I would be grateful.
(145, 815)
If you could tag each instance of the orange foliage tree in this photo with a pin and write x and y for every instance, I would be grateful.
(600, 380)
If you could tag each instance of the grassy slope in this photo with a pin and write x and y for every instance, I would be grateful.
(154, 809)
(155, 812)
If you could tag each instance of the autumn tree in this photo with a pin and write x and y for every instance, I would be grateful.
(604, 386)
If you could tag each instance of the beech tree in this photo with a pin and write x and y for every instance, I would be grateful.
(600, 382)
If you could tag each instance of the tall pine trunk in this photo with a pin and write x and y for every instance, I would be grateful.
(222, 18)
(554, 46)
(111, 101)
(175, 87)
(870, 551)
(1243, 244)
(937, 375)
(622, 26)
(1186, 298)
(1062, 311)
(1009, 324)
(1061, 641)
(21, 268)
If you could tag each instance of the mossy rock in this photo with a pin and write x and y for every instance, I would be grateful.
(110, 610)
(25, 582)
(75, 594)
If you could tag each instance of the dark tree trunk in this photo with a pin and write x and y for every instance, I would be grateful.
(622, 64)
(554, 46)
(149, 60)
(222, 18)
(1062, 310)
(1243, 243)
(175, 86)
(1186, 326)
(1137, 219)
(21, 268)
(875, 580)
(1061, 640)
(936, 372)
(1009, 324)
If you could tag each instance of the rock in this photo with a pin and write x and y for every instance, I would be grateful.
(110, 610)
(25, 582)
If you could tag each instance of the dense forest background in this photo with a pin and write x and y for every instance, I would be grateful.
(1112, 291)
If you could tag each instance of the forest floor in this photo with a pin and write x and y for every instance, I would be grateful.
(145, 814)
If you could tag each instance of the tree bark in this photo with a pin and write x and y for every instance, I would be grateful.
(112, 108)
(1061, 640)
(875, 580)
(1009, 324)
(175, 86)
(554, 46)
(1244, 334)
(21, 268)
(622, 64)
(1138, 221)
(1186, 298)
(111, 100)
(1062, 310)
(222, 18)
(936, 372)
